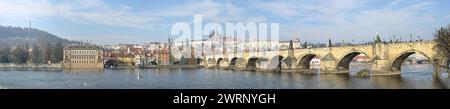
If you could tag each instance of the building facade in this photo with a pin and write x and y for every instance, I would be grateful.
(163, 57)
(83, 56)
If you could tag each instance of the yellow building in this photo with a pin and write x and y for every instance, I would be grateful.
(83, 56)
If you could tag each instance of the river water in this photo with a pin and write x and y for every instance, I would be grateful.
(412, 77)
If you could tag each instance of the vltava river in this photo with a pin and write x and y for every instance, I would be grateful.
(412, 77)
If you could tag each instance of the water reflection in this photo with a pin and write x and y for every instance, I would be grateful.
(83, 70)
(413, 76)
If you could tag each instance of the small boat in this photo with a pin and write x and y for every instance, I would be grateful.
(139, 76)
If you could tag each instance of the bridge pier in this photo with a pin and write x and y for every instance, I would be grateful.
(382, 67)
(328, 64)
(223, 64)
(210, 63)
(236, 64)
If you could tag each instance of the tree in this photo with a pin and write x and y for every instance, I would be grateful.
(57, 52)
(305, 45)
(329, 42)
(47, 52)
(378, 39)
(19, 55)
(5, 53)
(36, 54)
(27, 56)
(442, 37)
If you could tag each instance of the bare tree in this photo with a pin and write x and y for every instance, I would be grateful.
(5, 53)
(19, 55)
(442, 37)
(36, 54)
(57, 52)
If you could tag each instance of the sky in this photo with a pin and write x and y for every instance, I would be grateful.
(140, 21)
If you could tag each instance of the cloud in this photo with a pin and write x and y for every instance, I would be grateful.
(295, 9)
(100, 12)
(85, 11)
(281, 8)
(24, 7)
(212, 11)
(447, 17)
(309, 20)
(206, 8)
(97, 11)
(359, 20)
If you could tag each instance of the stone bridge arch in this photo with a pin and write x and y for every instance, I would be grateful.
(222, 62)
(390, 62)
(252, 62)
(305, 60)
(347, 58)
(235, 61)
(398, 60)
(112, 63)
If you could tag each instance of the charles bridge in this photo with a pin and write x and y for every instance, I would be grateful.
(386, 58)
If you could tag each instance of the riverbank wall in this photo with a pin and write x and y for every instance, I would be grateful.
(441, 73)
(12, 65)
(161, 66)
(173, 66)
